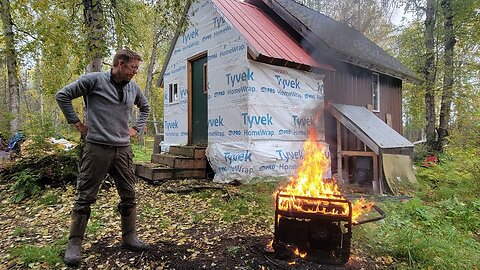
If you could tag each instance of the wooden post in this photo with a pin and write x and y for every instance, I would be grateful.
(339, 150)
(380, 173)
(389, 119)
(375, 182)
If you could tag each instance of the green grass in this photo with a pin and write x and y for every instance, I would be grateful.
(50, 199)
(440, 227)
(142, 153)
(19, 231)
(254, 202)
(31, 256)
(152, 211)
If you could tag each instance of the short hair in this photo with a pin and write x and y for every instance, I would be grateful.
(125, 55)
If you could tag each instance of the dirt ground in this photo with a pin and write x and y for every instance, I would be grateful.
(187, 230)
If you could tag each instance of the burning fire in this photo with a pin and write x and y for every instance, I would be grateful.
(311, 183)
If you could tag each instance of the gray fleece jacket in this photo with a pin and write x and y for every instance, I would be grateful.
(107, 116)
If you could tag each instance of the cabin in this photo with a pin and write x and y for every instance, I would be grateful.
(248, 81)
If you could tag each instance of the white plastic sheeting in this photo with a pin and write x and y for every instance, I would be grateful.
(259, 115)
(226, 52)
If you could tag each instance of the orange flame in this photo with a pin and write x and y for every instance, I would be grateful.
(311, 183)
(299, 253)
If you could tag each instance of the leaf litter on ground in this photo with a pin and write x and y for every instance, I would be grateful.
(190, 224)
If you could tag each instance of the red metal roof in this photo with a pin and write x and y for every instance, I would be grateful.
(264, 35)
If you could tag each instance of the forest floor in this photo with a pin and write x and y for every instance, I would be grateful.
(190, 224)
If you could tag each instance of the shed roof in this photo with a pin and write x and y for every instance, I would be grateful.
(375, 133)
(346, 43)
(265, 36)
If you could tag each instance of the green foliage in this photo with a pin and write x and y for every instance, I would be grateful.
(439, 228)
(254, 202)
(419, 236)
(420, 152)
(33, 256)
(31, 174)
(152, 211)
(142, 153)
(25, 186)
(233, 250)
(19, 231)
(94, 225)
(49, 199)
(456, 175)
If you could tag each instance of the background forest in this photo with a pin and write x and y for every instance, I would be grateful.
(45, 45)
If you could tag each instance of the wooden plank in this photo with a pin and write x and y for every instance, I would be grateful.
(181, 150)
(339, 150)
(375, 184)
(153, 173)
(200, 153)
(189, 163)
(380, 174)
(389, 119)
(358, 153)
(179, 174)
(156, 143)
(164, 159)
(188, 151)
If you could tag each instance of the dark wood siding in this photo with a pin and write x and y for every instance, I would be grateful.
(353, 86)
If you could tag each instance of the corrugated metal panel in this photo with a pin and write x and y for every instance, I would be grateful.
(372, 126)
(264, 35)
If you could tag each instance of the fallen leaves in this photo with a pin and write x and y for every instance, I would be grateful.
(204, 228)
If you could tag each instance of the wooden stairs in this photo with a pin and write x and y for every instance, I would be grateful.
(180, 162)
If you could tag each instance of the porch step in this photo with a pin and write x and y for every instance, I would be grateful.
(154, 172)
(179, 162)
(188, 151)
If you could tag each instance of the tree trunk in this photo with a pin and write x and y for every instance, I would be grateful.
(11, 59)
(153, 55)
(429, 72)
(447, 91)
(93, 18)
(117, 21)
(151, 65)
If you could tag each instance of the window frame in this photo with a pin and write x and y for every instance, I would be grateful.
(172, 90)
(375, 78)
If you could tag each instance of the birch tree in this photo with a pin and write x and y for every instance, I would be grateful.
(96, 45)
(12, 68)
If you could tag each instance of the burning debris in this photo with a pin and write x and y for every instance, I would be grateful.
(313, 220)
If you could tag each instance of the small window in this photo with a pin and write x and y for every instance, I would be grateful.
(375, 92)
(173, 93)
(205, 79)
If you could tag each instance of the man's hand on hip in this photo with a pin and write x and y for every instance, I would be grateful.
(81, 127)
(133, 132)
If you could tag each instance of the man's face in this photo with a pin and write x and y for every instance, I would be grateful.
(128, 69)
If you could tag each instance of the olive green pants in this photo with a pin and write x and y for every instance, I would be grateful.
(97, 160)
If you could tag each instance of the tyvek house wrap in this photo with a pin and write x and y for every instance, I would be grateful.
(258, 114)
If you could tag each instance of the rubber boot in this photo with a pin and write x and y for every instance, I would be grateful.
(130, 240)
(77, 230)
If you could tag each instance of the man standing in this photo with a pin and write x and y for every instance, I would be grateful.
(109, 98)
